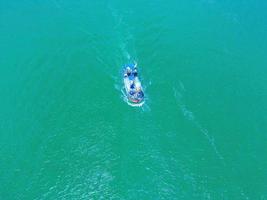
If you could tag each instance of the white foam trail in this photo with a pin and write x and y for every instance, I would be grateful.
(243, 194)
(125, 36)
(126, 45)
(146, 108)
(189, 115)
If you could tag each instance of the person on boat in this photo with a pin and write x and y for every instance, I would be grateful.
(139, 93)
(135, 72)
(132, 85)
(132, 92)
(128, 71)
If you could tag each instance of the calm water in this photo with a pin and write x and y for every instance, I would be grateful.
(67, 133)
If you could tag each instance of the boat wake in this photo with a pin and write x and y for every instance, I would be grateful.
(189, 115)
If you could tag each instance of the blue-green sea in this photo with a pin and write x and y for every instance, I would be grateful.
(67, 132)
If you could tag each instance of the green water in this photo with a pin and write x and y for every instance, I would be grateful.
(67, 133)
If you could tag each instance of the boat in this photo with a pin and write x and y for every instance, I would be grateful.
(132, 84)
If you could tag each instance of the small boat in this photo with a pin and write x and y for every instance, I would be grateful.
(132, 84)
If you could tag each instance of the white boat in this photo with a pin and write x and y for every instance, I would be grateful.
(132, 84)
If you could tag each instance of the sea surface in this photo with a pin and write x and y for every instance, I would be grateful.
(67, 132)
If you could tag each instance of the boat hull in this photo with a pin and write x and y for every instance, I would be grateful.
(132, 95)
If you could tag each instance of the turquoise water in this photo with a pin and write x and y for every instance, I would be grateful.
(67, 133)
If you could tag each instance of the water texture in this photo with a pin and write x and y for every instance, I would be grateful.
(66, 131)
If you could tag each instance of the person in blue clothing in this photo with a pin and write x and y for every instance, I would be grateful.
(128, 71)
(135, 72)
(132, 85)
(139, 93)
(132, 92)
(132, 88)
